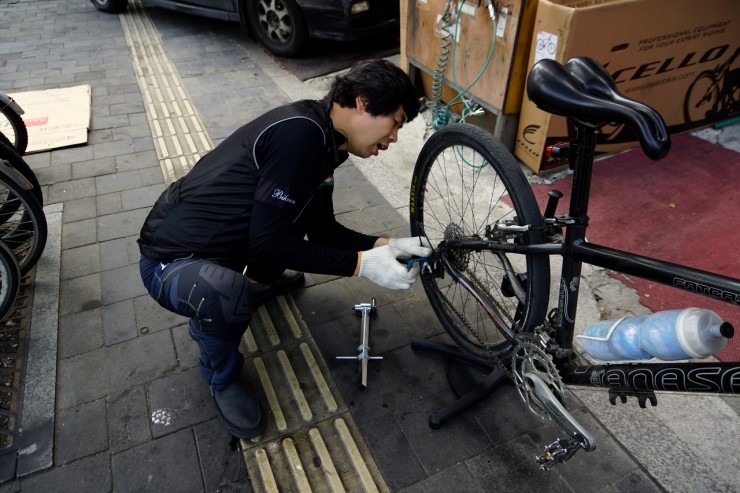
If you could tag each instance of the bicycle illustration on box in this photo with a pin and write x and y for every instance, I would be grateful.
(488, 279)
(714, 93)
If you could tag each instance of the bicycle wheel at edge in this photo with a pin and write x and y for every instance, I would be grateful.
(23, 225)
(10, 280)
(13, 128)
(464, 181)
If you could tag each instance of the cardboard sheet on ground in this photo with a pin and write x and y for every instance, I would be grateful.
(55, 117)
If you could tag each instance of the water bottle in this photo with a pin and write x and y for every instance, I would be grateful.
(669, 335)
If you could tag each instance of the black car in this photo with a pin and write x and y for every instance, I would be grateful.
(285, 26)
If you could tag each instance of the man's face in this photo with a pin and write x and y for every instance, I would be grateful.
(373, 134)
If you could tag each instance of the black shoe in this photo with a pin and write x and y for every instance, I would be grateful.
(290, 280)
(239, 409)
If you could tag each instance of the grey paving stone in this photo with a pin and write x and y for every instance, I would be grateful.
(73, 189)
(54, 174)
(79, 233)
(116, 253)
(392, 452)
(83, 378)
(118, 182)
(122, 224)
(137, 160)
(108, 204)
(93, 168)
(141, 468)
(81, 431)
(180, 400)
(80, 332)
(119, 322)
(79, 294)
(80, 209)
(140, 360)
(460, 438)
(220, 460)
(140, 197)
(457, 479)
(416, 314)
(121, 284)
(71, 155)
(373, 220)
(188, 354)
(152, 316)
(324, 302)
(80, 261)
(116, 147)
(349, 195)
(128, 419)
(88, 474)
(152, 176)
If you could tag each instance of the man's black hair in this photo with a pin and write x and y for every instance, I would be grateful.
(383, 86)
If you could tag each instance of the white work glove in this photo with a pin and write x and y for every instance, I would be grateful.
(417, 246)
(381, 266)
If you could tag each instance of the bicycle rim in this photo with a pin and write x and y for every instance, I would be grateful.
(22, 222)
(464, 182)
(10, 280)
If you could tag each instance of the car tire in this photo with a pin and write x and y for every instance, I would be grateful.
(110, 6)
(279, 25)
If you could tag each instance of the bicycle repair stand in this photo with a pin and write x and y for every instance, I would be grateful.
(365, 310)
(468, 387)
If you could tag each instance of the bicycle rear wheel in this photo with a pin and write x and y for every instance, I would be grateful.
(23, 225)
(10, 280)
(465, 183)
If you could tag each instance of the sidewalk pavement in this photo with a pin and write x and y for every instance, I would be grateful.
(124, 409)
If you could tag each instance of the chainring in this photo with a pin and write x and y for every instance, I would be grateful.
(529, 357)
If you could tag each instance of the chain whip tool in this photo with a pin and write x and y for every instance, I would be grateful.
(365, 310)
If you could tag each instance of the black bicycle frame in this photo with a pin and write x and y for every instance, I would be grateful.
(687, 377)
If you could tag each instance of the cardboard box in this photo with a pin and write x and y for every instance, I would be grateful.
(668, 54)
(500, 85)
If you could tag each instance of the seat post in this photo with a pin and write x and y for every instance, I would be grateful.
(582, 148)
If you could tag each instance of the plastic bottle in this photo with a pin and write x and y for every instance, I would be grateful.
(668, 335)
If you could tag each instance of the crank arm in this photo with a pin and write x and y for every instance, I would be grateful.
(557, 411)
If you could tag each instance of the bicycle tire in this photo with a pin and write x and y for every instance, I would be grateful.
(23, 225)
(10, 281)
(13, 128)
(15, 161)
(445, 204)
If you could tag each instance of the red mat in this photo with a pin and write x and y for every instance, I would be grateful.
(684, 209)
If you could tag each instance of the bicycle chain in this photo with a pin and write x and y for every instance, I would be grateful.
(519, 343)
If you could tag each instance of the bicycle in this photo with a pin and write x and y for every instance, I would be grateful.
(488, 278)
(23, 225)
(13, 130)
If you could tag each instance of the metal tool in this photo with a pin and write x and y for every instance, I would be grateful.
(365, 310)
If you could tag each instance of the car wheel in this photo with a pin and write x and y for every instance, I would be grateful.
(110, 6)
(278, 25)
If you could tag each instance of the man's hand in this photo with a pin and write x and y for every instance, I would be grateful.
(417, 246)
(382, 267)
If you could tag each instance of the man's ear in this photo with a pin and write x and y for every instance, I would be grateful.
(360, 104)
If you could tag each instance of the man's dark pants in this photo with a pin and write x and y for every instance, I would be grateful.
(219, 303)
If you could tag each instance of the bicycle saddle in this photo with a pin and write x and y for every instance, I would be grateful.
(583, 90)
